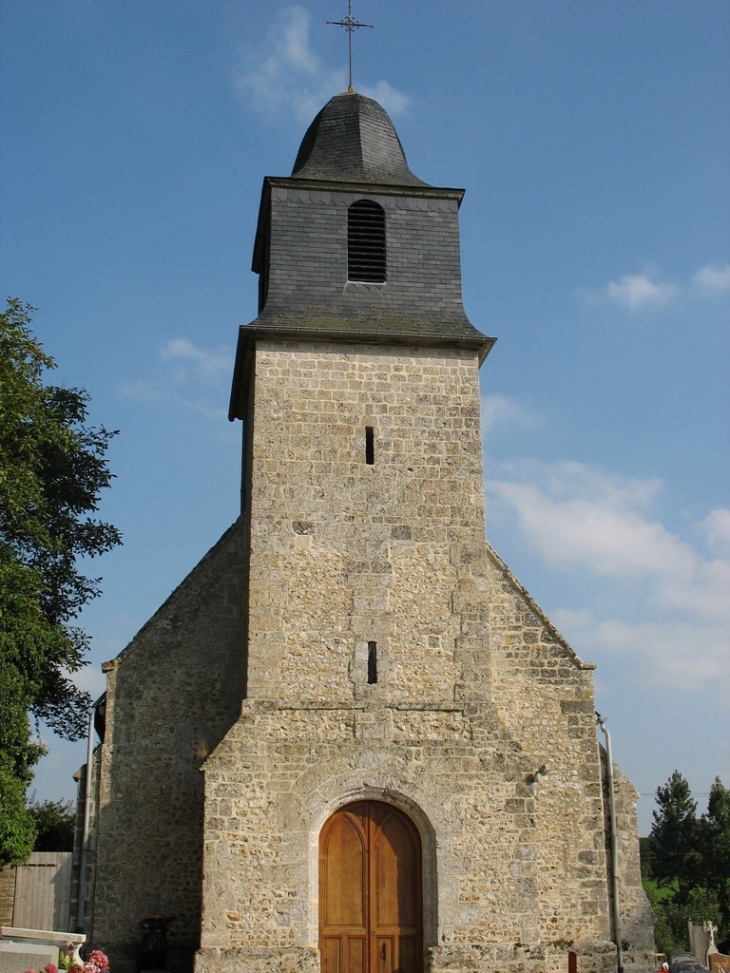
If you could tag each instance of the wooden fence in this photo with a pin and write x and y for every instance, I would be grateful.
(43, 892)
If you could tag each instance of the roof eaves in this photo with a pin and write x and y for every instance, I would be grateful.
(422, 190)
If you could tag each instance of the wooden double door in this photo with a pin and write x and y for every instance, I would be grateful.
(370, 888)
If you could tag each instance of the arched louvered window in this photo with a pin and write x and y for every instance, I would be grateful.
(366, 242)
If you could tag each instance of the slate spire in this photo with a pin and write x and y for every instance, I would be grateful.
(352, 139)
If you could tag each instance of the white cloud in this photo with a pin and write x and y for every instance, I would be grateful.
(716, 531)
(689, 655)
(393, 101)
(712, 279)
(285, 74)
(632, 292)
(646, 291)
(144, 391)
(207, 365)
(90, 679)
(674, 611)
(183, 377)
(503, 411)
(638, 291)
(578, 518)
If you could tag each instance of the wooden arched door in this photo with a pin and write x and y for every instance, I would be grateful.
(370, 891)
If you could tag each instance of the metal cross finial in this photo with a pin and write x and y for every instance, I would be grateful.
(350, 24)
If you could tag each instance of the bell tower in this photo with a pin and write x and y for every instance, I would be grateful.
(358, 388)
(375, 808)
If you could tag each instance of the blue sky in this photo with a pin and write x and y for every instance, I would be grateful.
(593, 140)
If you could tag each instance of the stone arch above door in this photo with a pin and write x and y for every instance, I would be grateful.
(334, 793)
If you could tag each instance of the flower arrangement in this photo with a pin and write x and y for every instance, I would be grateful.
(97, 962)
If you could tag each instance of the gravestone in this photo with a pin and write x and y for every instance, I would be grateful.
(719, 963)
(32, 949)
(17, 957)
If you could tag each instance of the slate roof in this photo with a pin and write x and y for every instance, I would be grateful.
(352, 139)
(450, 327)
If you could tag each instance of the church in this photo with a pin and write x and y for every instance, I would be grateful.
(350, 741)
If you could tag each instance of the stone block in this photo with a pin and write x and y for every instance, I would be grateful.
(16, 956)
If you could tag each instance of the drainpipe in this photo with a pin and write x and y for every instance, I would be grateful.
(81, 916)
(614, 844)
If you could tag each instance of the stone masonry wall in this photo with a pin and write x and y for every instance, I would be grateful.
(344, 553)
(171, 695)
(475, 690)
(636, 915)
(540, 685)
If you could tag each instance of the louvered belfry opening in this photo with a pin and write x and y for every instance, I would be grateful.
(366, 242)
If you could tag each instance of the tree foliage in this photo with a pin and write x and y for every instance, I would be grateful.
(674, 836)
(689, 857)
(52, 469)
(715, 842)
(55, 823)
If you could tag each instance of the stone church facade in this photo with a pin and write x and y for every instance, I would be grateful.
(350, 741)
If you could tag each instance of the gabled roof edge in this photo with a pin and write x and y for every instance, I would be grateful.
(502, 567)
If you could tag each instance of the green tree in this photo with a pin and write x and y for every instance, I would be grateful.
(670, 931)
(674, 837)
(646, 858)
(715, 845)
(52, 469)
(55, 823)
(690, 862)
(17, 756)
(702, 905)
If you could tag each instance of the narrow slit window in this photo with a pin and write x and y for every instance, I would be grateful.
(366, 242)
(369, 445)
(372, 663)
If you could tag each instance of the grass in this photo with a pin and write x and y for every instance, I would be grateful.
(658, 893)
